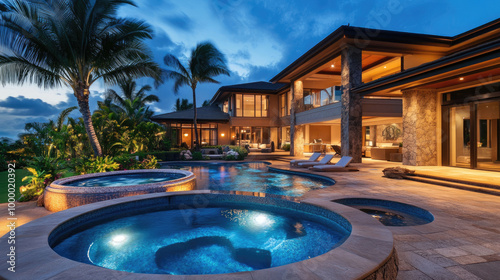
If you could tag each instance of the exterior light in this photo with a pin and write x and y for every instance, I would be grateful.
(118, 240)
(385, 67)
(186, 135)
(461, 78)
(333, 65)
(222, 134)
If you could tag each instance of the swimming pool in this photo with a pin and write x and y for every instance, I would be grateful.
(250, 177)
(126, 179)
(229, 234)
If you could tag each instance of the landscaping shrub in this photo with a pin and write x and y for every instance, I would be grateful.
(286, 147)
(127, 162)
(242, 152)
(197, 156)
(97, 165)
(162, 156)
(150, 162)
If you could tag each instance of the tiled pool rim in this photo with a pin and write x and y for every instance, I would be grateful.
(366, 251)
(58, 196)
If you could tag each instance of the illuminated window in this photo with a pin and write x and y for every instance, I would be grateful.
(239, 108)
(248, 105)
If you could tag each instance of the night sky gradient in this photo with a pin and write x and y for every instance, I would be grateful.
(259, 39)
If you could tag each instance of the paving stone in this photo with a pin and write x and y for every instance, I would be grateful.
(468, 259)
(463, 273)
(486, 271)
(477, 250)
(412, 275)
(451, 252)
(429, 268)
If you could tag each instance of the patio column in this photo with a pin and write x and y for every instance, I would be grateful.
(296, 131)
(420, 127)
(351, 119)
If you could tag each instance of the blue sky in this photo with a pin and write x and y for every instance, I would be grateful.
(259, 39)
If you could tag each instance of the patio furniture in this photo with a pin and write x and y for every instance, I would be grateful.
(337, 149)
(341, 165)
(314, 157)
(325, 160)
(383, 152)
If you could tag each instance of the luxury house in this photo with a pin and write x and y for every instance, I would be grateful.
(369, 90)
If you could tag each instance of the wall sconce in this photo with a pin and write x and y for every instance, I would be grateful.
(186, 135)
(222, 135)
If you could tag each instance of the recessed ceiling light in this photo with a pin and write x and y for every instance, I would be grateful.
(385, 67)
(333, 65)
(461, 78)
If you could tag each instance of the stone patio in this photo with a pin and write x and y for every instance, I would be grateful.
(462, 243)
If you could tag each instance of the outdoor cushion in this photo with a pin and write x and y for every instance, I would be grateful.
(314, 157)
(325, 160)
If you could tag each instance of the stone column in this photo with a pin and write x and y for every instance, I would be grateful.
(296, 131)
(419, 127)
(351, 129)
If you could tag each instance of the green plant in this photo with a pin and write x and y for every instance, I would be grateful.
(230, 157)
(285, 147)
(242, 152)
(401, 144)
(127, 162)
(197, 156)
(35, 184)
(97, 165)
(149, 162)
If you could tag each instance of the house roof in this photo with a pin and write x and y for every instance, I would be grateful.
(384, 41)
(205, 114)
(256, 87)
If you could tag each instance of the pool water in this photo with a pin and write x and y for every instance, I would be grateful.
(250, 177)
(393, 217)
(202, 241)
(126, 179)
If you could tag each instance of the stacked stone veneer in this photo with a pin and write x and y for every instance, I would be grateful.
(351, 119)
(419, 127)
(296, 131)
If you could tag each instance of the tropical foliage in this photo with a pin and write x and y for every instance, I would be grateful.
(182, 105)
(205, 63)
(73, 43)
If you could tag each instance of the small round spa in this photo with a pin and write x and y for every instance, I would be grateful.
(89, 188)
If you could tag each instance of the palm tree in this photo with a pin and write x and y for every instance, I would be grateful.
(133, 103)
(206, 103)
(73, 43)
(181, 105)
(206, 62)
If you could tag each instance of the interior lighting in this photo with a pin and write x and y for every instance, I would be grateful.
(222, 134)
(186, 135)
(461, 78)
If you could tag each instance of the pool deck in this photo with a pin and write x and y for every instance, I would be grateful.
(462, 243)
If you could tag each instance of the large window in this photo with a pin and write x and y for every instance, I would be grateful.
(250, 105)
(314, 98)
(285, 104)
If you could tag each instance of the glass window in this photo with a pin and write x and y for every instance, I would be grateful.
(239, 107)
(283, 105)
(248, 105)
(289, 104)
(258, 106)
(265, 104)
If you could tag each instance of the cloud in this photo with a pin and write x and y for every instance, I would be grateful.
(22, 106)
(180, 21)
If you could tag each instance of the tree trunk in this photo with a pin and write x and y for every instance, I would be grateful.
(197, 142)
(83, 104)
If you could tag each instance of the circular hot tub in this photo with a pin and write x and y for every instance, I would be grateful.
(89, 188)
(207, 236)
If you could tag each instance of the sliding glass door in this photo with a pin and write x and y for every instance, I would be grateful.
(488, 135)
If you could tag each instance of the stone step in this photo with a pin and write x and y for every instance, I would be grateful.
(450, 184)
(459, 181)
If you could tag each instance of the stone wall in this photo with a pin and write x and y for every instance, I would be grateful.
(296, 131)
(351, 119)
(419, 127)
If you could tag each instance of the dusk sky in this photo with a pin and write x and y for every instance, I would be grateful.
(259, 39)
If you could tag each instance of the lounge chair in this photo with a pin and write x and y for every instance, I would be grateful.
(337, 149)
(314, 158)
(340, 166)
(325, 160)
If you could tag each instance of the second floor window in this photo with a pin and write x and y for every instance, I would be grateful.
(250, 105)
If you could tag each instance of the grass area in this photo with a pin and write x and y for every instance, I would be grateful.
(20, 174)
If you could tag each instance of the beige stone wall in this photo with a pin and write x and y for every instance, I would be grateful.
(419, 127)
